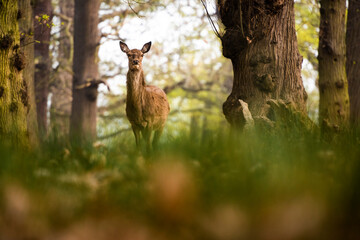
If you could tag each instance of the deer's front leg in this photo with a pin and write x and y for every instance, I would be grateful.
(137, 136)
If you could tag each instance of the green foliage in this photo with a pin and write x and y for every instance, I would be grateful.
(44, 19)
(307, 15)
(193, 181)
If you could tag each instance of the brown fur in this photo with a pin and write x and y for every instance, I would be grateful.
(147, 107)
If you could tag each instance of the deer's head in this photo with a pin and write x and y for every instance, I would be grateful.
(135, 56)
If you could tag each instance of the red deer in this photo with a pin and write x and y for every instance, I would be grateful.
(147, 107)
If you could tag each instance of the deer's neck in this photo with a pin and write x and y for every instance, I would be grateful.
(135, 88)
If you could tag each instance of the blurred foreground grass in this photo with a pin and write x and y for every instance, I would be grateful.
(255, 186)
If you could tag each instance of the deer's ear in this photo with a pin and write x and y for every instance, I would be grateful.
(124, 47)
(146, 47)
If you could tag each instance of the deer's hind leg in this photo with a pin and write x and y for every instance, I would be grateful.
(157, 136)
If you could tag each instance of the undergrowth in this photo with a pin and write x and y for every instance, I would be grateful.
(255, 185)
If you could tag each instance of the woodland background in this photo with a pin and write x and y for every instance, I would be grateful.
(282, 166)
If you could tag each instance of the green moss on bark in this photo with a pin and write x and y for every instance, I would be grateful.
(12, 111)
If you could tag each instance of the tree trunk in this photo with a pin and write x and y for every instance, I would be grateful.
(260, 40)
(353, 60)
(13, 91)
(62, 88)
(42, 28)
(334, 98)
(26, 27)
(85, 69)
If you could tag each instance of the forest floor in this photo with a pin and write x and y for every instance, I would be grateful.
(257, 186)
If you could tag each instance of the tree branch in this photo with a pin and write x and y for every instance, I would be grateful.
(92, 83)
(122, 13)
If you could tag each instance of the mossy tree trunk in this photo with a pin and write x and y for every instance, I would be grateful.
(353, 60)
(42, 29)
(26, 27)
(61, 90)
(333, 86)
(260, 40)
(13, 92)
(85, 70)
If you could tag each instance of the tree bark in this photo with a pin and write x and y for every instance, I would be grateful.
(61, 89)
(333, 86)
(353, 60)
(26, 27)
(13, 91)
(85, 70)
(42, 29)
(260, 40)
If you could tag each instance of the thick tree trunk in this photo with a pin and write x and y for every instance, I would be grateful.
(85, 68)
(27, 44)
(13, 91)
(353, 60)
(260, 40)
(333, 86)
(62, 88)
(42, 29)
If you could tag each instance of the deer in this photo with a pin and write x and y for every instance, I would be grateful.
(147, 107)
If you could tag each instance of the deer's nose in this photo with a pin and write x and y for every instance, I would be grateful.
(136, 62)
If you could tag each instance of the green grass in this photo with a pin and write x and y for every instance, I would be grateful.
(252, 186)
